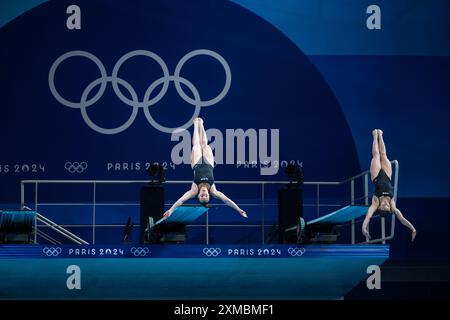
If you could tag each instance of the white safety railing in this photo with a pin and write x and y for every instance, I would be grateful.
(364, 175)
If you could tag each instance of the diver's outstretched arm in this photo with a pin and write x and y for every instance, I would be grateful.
(185, 197)
(219, 195)
(373, 207)
(403, 220)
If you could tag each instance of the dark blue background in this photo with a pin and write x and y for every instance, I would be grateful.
(324, 105)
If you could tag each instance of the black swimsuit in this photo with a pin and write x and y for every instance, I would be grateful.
(203, 173)
(382, 184)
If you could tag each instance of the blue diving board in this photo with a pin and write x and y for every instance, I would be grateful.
(184, 272)
(184, 215)
(341, 216)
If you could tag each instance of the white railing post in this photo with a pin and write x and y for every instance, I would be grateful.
(93, 213)
(35, 209)
(396, 165)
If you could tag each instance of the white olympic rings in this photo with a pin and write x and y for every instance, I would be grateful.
(52, 252)
(78, 167)
(296, 252)
(134, 102)
(211, 252)
(139, 251)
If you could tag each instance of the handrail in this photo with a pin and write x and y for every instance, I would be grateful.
(47, 237)
(69, 235)
(243, 182)
(60, 229)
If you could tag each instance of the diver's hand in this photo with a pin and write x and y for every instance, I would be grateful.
(413, 235)
(167, 214)
(242, 213)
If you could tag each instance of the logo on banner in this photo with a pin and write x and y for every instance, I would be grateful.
(211, 252)
(134, 100)
(296, 252)
(139, 251)
(51, 252)
(76, 167)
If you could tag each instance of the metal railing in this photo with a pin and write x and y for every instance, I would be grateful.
(318, 184)
(54, 226)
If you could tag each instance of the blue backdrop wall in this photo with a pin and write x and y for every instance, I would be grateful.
(310, 69)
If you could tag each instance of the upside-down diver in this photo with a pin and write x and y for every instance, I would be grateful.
(202, 162)
(382, 199)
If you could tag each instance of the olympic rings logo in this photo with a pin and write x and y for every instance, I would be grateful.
(139, 251)
(52, 252)
(211, 252)
(78, 167)
(134, 101)
(296, 252)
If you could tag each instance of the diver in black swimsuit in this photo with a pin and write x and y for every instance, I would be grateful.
(381, 173)
(202, 162)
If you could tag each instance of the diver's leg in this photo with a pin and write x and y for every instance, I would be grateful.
(385, 162)
(206, 149)
(375, 164)
(196, 153)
